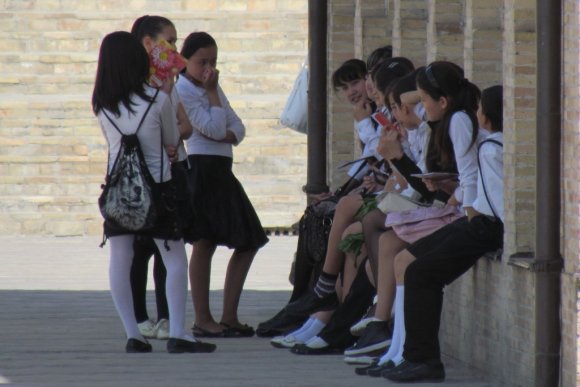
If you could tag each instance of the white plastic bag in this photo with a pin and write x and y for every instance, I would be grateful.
(295, 113)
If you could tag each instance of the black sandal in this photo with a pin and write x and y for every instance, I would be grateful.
(240, 331)
(200, 332)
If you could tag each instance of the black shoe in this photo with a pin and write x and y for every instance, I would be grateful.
(398, 368)
(432, 371)
(303, 349)
(379, 370)
(137, 346)
(375, 338)
(311, 303)
(184, 346)
(363, 370)
(281, 323)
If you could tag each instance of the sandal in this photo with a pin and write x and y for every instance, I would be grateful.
(200, 332)
(243, 330)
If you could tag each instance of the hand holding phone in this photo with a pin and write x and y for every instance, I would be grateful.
(389, 145)
(382, 120)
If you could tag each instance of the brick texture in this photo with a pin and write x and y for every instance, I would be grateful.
(52, 154)
(488, 320)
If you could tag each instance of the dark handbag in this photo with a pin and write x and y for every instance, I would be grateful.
(315, 227)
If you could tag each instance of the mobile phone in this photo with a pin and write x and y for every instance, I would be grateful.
(381, 119)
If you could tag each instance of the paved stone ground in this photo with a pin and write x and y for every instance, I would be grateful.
(58, 326)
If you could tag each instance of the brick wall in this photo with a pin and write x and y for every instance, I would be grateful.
(409, 29)
(341, 47)
(51, 150)
(355, 29)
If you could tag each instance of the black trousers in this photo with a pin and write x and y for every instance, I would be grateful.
(441, 258)
(337, 332)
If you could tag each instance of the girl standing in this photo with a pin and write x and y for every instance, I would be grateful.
(149, 30)
(124, 103)
(222, 212)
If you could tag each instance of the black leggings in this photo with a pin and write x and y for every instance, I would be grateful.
(144, 248)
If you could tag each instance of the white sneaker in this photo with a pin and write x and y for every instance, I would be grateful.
(285, 341)
(148, 329)
(358, 328)
(162, 328)
(316, 343)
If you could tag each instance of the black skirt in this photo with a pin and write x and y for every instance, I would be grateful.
(222, 212)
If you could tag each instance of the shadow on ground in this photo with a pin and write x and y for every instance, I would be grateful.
(74, 338)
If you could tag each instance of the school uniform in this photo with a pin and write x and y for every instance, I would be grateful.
(159, 125)
(448, 253)
(222, 212)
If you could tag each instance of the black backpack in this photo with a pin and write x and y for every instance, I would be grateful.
(128, 198)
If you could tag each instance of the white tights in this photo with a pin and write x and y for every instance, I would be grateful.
(175, 261)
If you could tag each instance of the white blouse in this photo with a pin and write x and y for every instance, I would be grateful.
(491, 159)
(460, 132)
(161, 117)
(210, 123)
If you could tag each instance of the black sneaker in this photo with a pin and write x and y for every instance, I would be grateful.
(281, 323)
(303, 349)
(374, 340)
(431, 371)
(311, 303)
(185, 346)
(137, 346)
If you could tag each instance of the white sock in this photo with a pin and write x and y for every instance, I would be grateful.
(188, 337)
(304, 326)
(175, 261)
(396, 349)
(400, 320)
(121, 251)
(314, 329)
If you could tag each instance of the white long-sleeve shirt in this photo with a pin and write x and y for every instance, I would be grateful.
(460, 132)
(491, 161)
(161, 117)
(175, 100)
(210, 123)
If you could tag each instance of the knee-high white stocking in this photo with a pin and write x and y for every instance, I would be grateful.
(175, 261)
(121, 250)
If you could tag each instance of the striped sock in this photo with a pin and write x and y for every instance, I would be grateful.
(325, 285)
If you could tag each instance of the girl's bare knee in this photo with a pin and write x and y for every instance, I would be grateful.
(402, 260)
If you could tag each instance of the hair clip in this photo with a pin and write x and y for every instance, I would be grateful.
(431, 78)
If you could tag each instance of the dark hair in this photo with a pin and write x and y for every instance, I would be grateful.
(446, 79)
(404, 85)
(492, 106)
(390, 70)
(195, 41)
(122, 70)
(379, 55)
(149, 26)
(351, 70)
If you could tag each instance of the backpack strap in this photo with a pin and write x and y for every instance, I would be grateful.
(498, 143)
(138, 128)
(142, 118)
